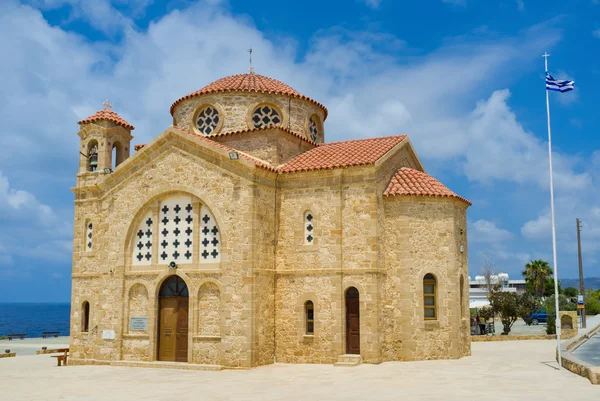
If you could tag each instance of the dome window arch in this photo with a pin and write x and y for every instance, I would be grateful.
(314, 128)
(208, 119)
(265, 114)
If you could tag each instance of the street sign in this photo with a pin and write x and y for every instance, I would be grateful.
(580, 306)
(579, 299)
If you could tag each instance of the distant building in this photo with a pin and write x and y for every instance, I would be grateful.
(479, 294)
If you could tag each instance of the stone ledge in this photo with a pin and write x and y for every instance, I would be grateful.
(167, 365)
(47, 351)
(575, 365)
(207, 338)
(135, 336)
(9, 355)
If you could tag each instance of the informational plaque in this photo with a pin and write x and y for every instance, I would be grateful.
(138, 323)
(108, 334)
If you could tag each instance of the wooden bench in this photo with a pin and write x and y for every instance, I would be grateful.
(11, 336)
(63, 357)
(50, 333)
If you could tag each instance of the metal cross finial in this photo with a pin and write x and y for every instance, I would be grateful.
(107, 105)
(545, 56)
(251, 69)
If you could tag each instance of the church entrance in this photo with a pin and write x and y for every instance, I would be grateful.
(352, 322)
(173, 320)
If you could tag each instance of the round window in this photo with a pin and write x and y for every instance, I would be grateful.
(207, 120)
(313, 129)
(265, 115)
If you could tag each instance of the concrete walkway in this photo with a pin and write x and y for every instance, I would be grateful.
(511, 370)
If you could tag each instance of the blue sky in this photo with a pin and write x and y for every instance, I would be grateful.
(464, 78)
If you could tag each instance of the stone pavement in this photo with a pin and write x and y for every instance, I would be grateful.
(511, 370)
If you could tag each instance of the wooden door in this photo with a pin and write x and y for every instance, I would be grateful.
(352, 322)
(182, 330)
(167, 345)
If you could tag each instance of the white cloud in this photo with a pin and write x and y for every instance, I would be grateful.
(487, 231)
(521, 5)
(22, 204)
(596, 33)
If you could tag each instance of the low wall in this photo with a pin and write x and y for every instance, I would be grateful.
(9, 355)
(575, 365)
(566, 334)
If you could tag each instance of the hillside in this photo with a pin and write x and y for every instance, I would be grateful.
(592, 283)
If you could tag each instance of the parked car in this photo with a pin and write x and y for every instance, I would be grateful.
(539, 316)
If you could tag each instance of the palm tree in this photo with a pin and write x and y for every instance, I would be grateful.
(536, 272)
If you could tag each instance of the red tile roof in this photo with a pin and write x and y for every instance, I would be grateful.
(408, 181)
(248, 83)
(342, 154)
(108, 115)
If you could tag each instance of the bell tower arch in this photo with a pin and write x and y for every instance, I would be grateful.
(105, 141)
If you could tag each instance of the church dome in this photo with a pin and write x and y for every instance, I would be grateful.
(248, 83)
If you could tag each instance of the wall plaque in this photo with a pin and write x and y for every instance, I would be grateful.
(108, 334)
(138, 323)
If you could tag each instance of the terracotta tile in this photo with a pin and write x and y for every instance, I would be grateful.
(408, 181)
(107, 115)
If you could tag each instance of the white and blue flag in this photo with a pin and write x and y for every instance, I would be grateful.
(558, 85)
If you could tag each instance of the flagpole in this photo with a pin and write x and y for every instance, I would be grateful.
(557, 320)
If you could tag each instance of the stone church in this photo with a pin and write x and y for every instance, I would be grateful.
(239, 237)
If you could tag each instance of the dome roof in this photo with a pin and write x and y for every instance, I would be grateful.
(107, 115)
(248, 83)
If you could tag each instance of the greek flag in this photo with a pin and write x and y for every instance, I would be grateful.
(558, 85)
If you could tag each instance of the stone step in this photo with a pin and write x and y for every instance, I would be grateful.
(348, 360)
(166, 365)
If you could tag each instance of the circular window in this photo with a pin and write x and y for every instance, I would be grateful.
(265, 115)
(208, 120)
(313, 129)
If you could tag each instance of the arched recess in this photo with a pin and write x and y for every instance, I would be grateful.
(118, 154)
(138, 303)
(209, 310)
(173, 227)
(92, 156)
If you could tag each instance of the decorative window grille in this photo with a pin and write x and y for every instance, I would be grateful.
(309, 228)
(142, 251)
(210, 238)
(208, 120)
(265, 115)
(313, 129)
(429, 296)
(88, 236)
(309, 312)
(176, 230)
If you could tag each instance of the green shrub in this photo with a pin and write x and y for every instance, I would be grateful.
(592, 306)
(3, 337)
(551, 325)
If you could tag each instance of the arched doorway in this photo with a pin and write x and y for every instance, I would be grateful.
(352, 322)
(173, 320)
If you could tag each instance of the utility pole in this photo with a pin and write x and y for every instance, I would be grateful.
(581, 287)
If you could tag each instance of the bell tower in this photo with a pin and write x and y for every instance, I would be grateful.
(105, 142)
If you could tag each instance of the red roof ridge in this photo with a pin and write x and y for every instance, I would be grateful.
(408, 181)
(342, 154)
(248, 83)
(109, 115)
(248, 130)
(364, 139)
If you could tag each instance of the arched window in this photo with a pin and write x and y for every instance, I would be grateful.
(429, 296)
(85, 316)
(186, 232)
(309, 315)
(89, 228)
(462, 304)
(314, 128)
(264, 115)
(309, 228)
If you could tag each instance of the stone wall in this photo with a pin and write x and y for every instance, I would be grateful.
(420, 237)
(236, 108)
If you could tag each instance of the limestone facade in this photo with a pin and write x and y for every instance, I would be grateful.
(247, 306)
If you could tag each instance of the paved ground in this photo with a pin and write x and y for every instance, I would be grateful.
(511, 370)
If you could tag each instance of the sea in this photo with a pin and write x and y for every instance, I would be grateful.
(32, 319)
